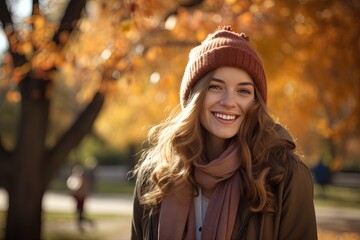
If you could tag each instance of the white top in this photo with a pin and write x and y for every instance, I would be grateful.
(201, 203)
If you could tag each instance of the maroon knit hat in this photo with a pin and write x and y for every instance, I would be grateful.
(224, 47)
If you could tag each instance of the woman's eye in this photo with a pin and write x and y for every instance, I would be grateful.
(244, 91)
(215, 87)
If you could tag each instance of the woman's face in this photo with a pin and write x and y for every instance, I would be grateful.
(230, 92)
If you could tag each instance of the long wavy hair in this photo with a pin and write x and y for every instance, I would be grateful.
(176, 142)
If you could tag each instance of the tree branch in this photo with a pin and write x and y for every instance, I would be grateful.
(191, 3)
(70, 18)
(74, 134)
(7, 23)
(36, 8)
(3, 152)
(5, 166)
(5, 16)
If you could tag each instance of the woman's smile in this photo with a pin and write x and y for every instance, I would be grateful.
(225, 118)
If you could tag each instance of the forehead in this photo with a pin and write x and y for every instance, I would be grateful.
(232, 74)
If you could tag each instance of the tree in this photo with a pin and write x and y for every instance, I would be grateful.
(320, 72)
(27, 169)
(44, 54)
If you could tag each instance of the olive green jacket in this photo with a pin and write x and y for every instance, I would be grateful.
(293, 219)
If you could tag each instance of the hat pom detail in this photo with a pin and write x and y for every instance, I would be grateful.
(230, 29)
(226, 28)
(243, 35)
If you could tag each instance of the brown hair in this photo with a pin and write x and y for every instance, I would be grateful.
(263, 155)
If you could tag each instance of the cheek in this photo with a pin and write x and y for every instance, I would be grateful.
(202, 116)
(247, 105)
(205, 108)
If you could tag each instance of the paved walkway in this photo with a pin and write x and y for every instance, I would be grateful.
(61, 202)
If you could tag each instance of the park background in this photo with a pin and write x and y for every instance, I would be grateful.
(82, 82)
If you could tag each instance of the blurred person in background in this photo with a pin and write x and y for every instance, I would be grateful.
(322, 176)
(79, 186)
(91, 165)
(221, 167)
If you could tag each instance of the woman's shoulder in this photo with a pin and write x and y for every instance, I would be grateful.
(284, 135)
(289, 162)
(296, 168)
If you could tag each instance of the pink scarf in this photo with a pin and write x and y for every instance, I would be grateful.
(177, 213)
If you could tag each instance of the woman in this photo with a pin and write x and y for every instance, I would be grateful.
(221, 168)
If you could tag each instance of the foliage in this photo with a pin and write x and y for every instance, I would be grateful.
(298, 41)
(321, 74)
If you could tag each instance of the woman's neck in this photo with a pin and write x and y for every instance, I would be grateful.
(214, 148)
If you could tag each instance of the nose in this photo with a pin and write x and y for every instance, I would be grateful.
(228, 99)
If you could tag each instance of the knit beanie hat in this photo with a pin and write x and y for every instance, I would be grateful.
(224, 47)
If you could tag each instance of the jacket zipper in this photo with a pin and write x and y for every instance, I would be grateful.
(242, 229)
(150, 225)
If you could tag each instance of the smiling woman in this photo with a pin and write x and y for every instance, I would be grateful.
(222, 168)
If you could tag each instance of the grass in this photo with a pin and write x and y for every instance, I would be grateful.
(337, 196)
(51, 216)
(63, 226)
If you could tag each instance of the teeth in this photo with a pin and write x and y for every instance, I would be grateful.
(225, 117)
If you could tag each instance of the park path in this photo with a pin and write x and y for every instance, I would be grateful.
(97, 203)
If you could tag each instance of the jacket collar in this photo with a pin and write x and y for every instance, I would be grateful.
(285, 135)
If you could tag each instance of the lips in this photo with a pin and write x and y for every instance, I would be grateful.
(226, 117)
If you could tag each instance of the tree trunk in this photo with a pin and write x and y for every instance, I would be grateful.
(33, 165)
(26, 171)
(24, 212)
(27, 186)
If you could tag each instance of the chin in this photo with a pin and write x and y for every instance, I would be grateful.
(226, 136)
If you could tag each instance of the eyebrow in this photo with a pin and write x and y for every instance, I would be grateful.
(241, 83)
